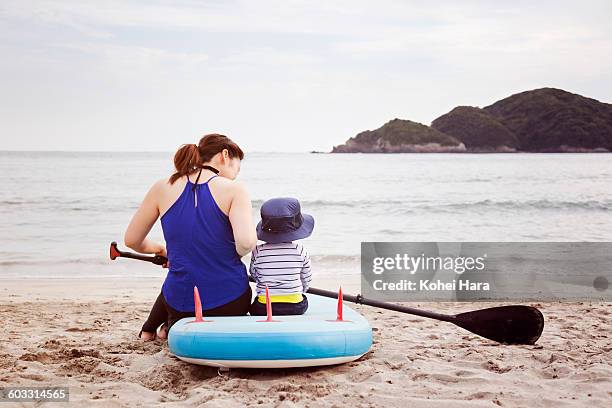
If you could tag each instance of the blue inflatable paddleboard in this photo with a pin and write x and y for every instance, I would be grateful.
(312, 339)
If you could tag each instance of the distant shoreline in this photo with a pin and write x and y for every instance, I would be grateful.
(545, 120)
(582, 151)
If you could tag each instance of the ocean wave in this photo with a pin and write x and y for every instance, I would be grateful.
(40, 200)
(589, 205)
(410, 206)
(391, 232)
(333, 258)
(56, 262)
(77, 275)
(316, 204)
(68, 205)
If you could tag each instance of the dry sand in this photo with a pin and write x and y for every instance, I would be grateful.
(85, 338)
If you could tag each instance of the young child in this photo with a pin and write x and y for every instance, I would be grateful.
(280, 263)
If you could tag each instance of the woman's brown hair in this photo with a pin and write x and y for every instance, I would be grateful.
(190, 157)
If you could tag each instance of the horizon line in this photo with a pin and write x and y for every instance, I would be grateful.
(143, 151)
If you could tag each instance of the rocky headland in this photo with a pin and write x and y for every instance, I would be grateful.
(541, 120)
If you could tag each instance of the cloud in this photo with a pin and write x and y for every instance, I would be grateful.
(259, 68)
(133, 61)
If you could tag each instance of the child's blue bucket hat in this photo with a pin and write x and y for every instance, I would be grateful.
(282, 221)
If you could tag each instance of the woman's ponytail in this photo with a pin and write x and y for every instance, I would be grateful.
(186, 160)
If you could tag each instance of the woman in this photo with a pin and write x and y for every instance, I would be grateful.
(207, 223)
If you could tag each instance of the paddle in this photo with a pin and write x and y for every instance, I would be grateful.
(116, 253)
(515, 324)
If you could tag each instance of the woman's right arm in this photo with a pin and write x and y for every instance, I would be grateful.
(241, 218)
(142, 222)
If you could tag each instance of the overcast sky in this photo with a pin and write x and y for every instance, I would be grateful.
(278, 75)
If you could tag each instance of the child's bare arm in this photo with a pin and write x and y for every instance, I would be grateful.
(252, 268)
(306, 273)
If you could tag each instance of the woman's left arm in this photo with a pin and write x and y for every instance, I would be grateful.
(142, 222)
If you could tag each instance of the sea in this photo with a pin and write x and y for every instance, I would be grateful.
(60, 210)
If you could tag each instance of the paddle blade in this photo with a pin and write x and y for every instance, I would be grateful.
(504, 324)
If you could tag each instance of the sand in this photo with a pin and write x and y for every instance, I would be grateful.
(82, 334)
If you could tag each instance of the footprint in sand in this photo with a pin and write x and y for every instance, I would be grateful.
(78, 329)
(464, 373)
(494, 367)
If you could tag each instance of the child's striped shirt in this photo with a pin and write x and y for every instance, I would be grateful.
(284, 268)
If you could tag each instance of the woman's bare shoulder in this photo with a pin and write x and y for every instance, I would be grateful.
(233, 186)
(163, 187)
(163, 184)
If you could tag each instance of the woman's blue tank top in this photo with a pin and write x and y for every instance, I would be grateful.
(202, 252)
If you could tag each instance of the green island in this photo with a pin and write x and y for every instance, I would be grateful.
(546, 120)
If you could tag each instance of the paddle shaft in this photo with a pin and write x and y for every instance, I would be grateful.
(144, 257)
(116, 252)
(383, 305)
